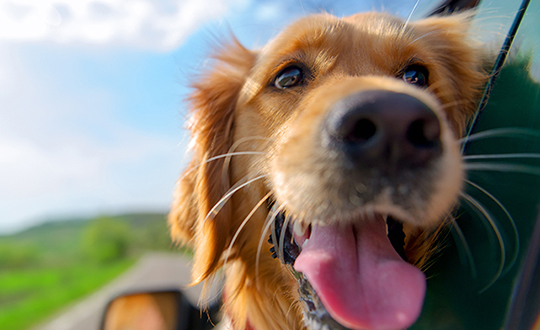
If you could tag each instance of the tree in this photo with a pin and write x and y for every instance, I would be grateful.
(106, 239)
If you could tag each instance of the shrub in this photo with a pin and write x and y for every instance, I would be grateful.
(14, 255)
(106, 239)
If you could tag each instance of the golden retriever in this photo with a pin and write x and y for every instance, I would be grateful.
(338, 139)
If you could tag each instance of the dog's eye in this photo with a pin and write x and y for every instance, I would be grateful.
(416, 75)
(289, 77)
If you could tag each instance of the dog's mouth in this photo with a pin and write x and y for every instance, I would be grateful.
(352, 275)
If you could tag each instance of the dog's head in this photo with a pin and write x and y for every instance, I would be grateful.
(340, 138)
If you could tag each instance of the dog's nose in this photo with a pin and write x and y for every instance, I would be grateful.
(383, 128)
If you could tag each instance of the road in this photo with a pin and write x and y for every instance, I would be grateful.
(152, 271)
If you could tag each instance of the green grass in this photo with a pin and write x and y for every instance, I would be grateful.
(29, 296)
(45, 268)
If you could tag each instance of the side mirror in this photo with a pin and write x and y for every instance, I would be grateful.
(157, 310)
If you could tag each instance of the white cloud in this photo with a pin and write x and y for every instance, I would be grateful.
(83, 177)
(54, 172)
(32, 171)
(159, 25)
(65, 151)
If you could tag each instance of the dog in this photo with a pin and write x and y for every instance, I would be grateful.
(338, 143)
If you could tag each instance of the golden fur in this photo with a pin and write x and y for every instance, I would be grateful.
(234, 110)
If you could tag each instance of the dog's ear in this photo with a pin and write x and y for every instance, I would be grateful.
(204, 182)
(461, 62)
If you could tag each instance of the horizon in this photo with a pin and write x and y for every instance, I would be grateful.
(93, 95)
(92, 92)
(61, 220)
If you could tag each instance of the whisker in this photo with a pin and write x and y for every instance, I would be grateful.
(466, 248)
(219, 205)
(211, 159)
(248, 138)
(501, 132)
(227, 161)
(273, 233)
(486, 215)
(408, 19)
(424, 35)
(291, 308)
(512, 168)
(502, 156)
(510, 218)
(268, 222)
(282, 237)
(243, 224)
(441, 88)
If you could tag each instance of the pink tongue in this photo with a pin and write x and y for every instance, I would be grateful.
(359, 277)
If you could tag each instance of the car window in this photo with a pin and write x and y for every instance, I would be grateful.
(472, 281)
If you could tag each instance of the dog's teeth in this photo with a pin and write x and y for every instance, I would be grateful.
(305, 242)
(385, 217)
(299, 229)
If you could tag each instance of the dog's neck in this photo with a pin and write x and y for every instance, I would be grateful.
(226, 322)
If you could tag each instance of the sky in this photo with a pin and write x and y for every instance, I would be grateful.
(92, 110)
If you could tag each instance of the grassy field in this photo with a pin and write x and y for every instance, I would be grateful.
(45, 268)
(26, 297)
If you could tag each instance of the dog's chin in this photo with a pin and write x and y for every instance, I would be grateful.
(354, 275)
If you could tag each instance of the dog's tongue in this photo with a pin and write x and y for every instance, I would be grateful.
(359, 277)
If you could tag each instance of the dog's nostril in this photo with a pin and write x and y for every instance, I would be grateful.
(383, 128)
(424, 133)
(363, 130)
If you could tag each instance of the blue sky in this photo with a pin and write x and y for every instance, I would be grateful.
(91, 95)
